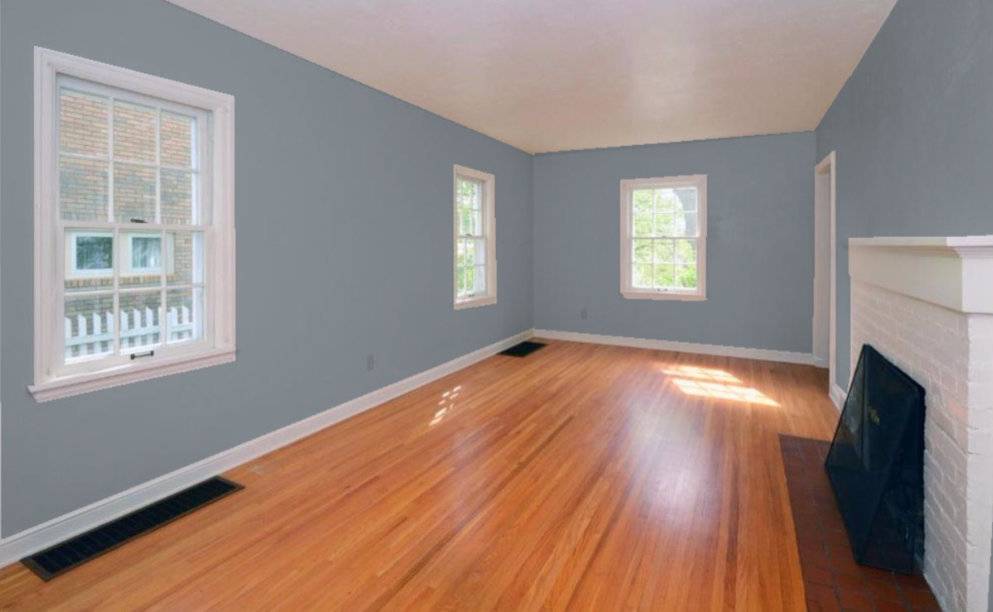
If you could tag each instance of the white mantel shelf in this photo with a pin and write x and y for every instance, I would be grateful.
(952, 271)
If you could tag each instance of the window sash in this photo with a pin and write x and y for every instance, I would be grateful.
(200, 150)
(63, 368)
(674, 264)
(200, 215)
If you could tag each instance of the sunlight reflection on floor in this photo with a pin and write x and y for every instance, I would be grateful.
(717, 390)
(686, 371)
(447, 403)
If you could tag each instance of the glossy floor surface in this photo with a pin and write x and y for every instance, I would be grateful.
(582, 477)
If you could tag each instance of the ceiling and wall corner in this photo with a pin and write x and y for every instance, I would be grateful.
(556, 75)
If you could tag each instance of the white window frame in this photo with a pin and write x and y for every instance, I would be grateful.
(53, 378)
(488, 235)
(628, 186)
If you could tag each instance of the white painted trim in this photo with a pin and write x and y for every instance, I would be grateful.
(53, 378)
(50, 532)
(680, 347)
(955, 272)
(838, 396)
(627, 186)
(475, 302)
(830, 164)
(115, 377)
(664, 296)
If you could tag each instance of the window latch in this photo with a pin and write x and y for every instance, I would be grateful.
(137, 355)
(137, 220)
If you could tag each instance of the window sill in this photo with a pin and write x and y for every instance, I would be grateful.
(122, 375)
(475, 302)
(664, 295)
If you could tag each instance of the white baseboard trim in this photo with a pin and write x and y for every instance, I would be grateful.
(838, 396)
(681, 347)
(40, 537)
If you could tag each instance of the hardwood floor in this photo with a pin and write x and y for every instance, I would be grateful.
(582, 477)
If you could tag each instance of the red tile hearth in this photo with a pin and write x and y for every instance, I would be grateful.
(831, 578)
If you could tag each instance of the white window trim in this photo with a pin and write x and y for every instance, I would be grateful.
(219, 249)
(627, 187)
(489, 233)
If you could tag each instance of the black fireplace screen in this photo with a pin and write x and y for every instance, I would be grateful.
(876, 465)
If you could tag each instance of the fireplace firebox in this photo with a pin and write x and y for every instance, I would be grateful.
(876, 465)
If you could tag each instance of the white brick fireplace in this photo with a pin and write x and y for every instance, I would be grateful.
(927, 305)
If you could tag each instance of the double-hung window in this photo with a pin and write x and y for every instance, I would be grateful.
(134, 226)
(475, 238)
(664, 238)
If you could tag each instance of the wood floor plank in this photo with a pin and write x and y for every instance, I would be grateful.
(582, 477)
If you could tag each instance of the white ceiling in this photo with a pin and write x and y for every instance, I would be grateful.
(552, 75)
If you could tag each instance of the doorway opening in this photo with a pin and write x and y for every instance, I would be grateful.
(825, 279)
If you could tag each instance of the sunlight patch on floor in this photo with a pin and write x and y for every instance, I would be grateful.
(688, 371)
(717, 390)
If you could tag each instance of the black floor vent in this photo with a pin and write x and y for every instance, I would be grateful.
(523, 349)
(63, 557)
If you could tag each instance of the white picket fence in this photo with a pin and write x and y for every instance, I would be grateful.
(94, 334)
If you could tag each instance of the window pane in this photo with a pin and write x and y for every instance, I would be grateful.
(643, 226)
(666, 201)
(134, 193)
(134, 132)
(687, 197)
(177, 196)
(82, 189)
(685, 224)
(665, 224)
(663, 276)
(686, 277)
(479, 287)
(477, 222)
(466, 225)
(477, 251)
(82, 123)
(641, 200)
(184, 258)
(141, 326)
(663, 251)
(685, 252)
(642, 277)
(184, 314)
(470, 281)
(176, 139)
(642, 251)
(141, 259)
(89, 327)
(89, 261)
(470, 193)
(460, 281)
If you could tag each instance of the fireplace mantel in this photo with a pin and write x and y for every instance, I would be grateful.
(955, 272)
(927, 305)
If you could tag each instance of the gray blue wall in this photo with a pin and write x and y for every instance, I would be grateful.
(913, 129)
(344, 221)
(759, 251)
